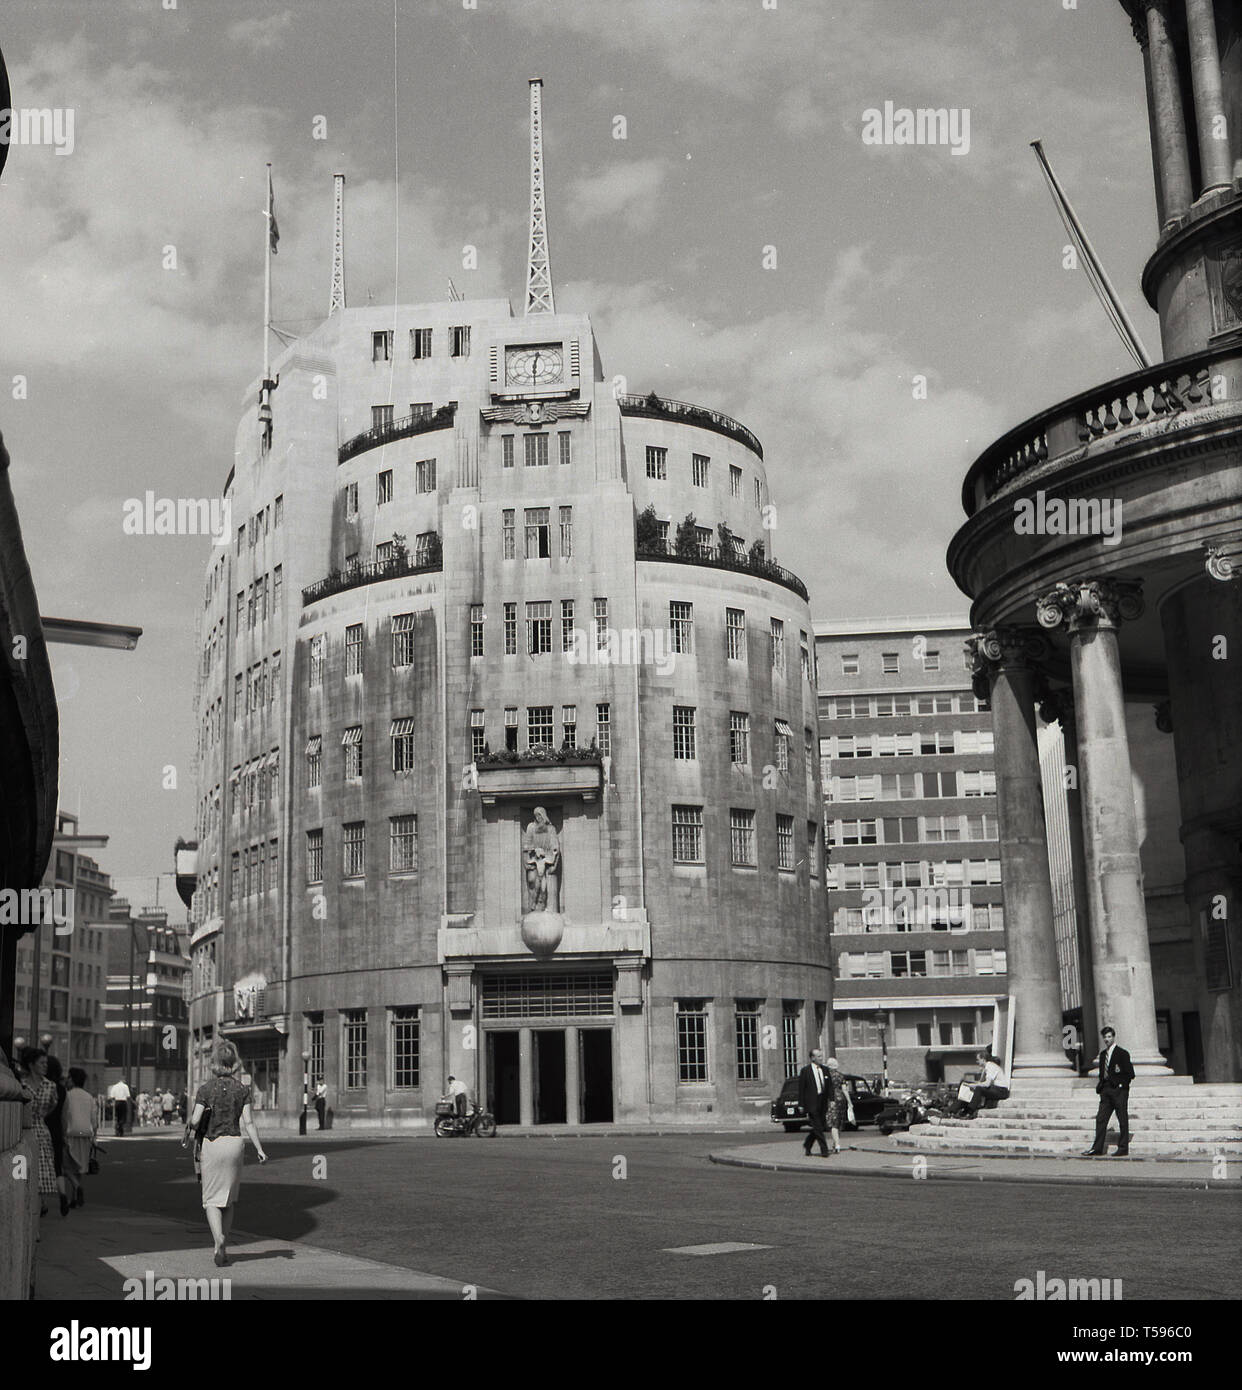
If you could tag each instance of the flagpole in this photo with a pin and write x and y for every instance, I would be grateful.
(267, 282)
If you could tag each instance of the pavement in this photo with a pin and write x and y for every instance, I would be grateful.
(878, 1158)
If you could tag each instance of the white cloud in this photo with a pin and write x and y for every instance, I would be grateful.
(265, 31)
(628, 191)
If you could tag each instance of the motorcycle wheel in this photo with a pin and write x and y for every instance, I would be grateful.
(486, 1127)
(444, 1126)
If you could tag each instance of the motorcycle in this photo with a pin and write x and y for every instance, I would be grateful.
(903, 1114)
(451, 1125)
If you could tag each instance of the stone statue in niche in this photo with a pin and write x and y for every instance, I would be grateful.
(541, 864)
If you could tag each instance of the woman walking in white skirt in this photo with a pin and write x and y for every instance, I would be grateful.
(228, 1102)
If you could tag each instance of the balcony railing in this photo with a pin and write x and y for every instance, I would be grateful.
(541, 755)
(374, 572)
(422, 422)
(1127, 403)
(653, 407)
(714, 557)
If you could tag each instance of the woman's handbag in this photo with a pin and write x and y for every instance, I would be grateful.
(200, 1130)
(92, 1166)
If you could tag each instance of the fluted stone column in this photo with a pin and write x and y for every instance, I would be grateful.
(1172, 153)
(1059, 705)
(1003, 657)
(1092, 611)
(1214, 136)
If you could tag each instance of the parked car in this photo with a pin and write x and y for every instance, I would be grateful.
(866, 1100)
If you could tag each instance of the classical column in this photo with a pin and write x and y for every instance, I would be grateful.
(1214, 135)
(1092, 611)
(526, 1076)
(1003, 658)
(1059, 705)
(1172, 154)
(572, 1085)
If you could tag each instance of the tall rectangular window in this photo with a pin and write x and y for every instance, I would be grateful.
(314, 856)
(278, 575)
(354, 840)
(564, 447)
(691, 1041)
(273, 861)
(234, 876)
(420, 343)
(657, 462)
(777, 630)
(567, 533)
(785, 842)
(459, 342)
(746, 1041)
(684, 742)
(355, 1049)
(567, 625)
(603, 729)
(278, 511)
(791, 1052)
(742, 837)
(681, 626)
(424, 476)
(569, 725)
(404, 1049)
(402, 844)
(476, 629)
(478, 734)
(403, 639)
(735, 633)
(600, 618)
(381, 346)
(507, 534)
(383, 487)
(351, 741)
(535, 446)
(538, 628)
(401, 732)
(699, 464)
(381, 417)
(890, 663)
(539, 726)
(510, 626)
(314, 760)
(314, 1045)
(538, 538)
(739, 739)
(420, 410)
(506, 451)
(735, 481)
(806, 656)
(511, 728)
(849, 663)
(758, 495)
(353, 649)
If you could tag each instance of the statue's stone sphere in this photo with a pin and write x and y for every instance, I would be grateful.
(542, 931)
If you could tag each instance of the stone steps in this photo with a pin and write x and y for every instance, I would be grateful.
(1139, 1148)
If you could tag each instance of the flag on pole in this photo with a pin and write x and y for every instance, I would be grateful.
(272, 229)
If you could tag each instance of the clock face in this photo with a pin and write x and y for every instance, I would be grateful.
(534, 366)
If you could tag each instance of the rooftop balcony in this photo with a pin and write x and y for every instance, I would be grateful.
(653, 407)
(422, 561)
(422, 422)
(1103, 418)
(713, 557)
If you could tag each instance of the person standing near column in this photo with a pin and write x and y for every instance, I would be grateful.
(813, 1096)
(1113, 1087)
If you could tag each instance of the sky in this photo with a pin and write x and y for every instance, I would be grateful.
(742, 247)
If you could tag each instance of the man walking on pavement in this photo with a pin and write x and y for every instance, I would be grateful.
(119, 1093)
(1116, 1072)
(813, 1096)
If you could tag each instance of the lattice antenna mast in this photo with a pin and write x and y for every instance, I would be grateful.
(539, 270)
(336, 300)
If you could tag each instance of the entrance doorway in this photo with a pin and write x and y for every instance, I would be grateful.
(503, 1089)
(1194, 1045)
(595, 1075)
(549, 1076)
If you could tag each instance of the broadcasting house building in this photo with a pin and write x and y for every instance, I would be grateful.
(508, 761)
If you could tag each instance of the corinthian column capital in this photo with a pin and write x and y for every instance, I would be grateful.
(1004, 647)
(1090, 603)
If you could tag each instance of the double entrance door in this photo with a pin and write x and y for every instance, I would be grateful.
(549, 1076)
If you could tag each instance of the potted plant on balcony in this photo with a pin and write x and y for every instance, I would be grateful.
(647, 532)
(687, 541)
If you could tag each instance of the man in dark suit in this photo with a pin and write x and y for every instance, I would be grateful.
(1116, 1072)
(814, 1093)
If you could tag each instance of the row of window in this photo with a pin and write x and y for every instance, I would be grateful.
(252, 603)
(913, 830)
(541, 729)
(688, 839)
(253, 689)
(252, 532)
(686, 739)
(933, 742)
(890, 662)
(908, 786)
(751, 1040)
(858, 1030)
(952, 873)
(402, 848)
(255, 782)
(900, 965)
(889, 706)
(536, 449)
(537, 533)
(254, 870)
(424, 481)
(932, 910)
(458, 338)
(700, 472)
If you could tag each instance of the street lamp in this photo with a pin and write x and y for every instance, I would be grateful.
(881, 1022)
(305, 1089)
